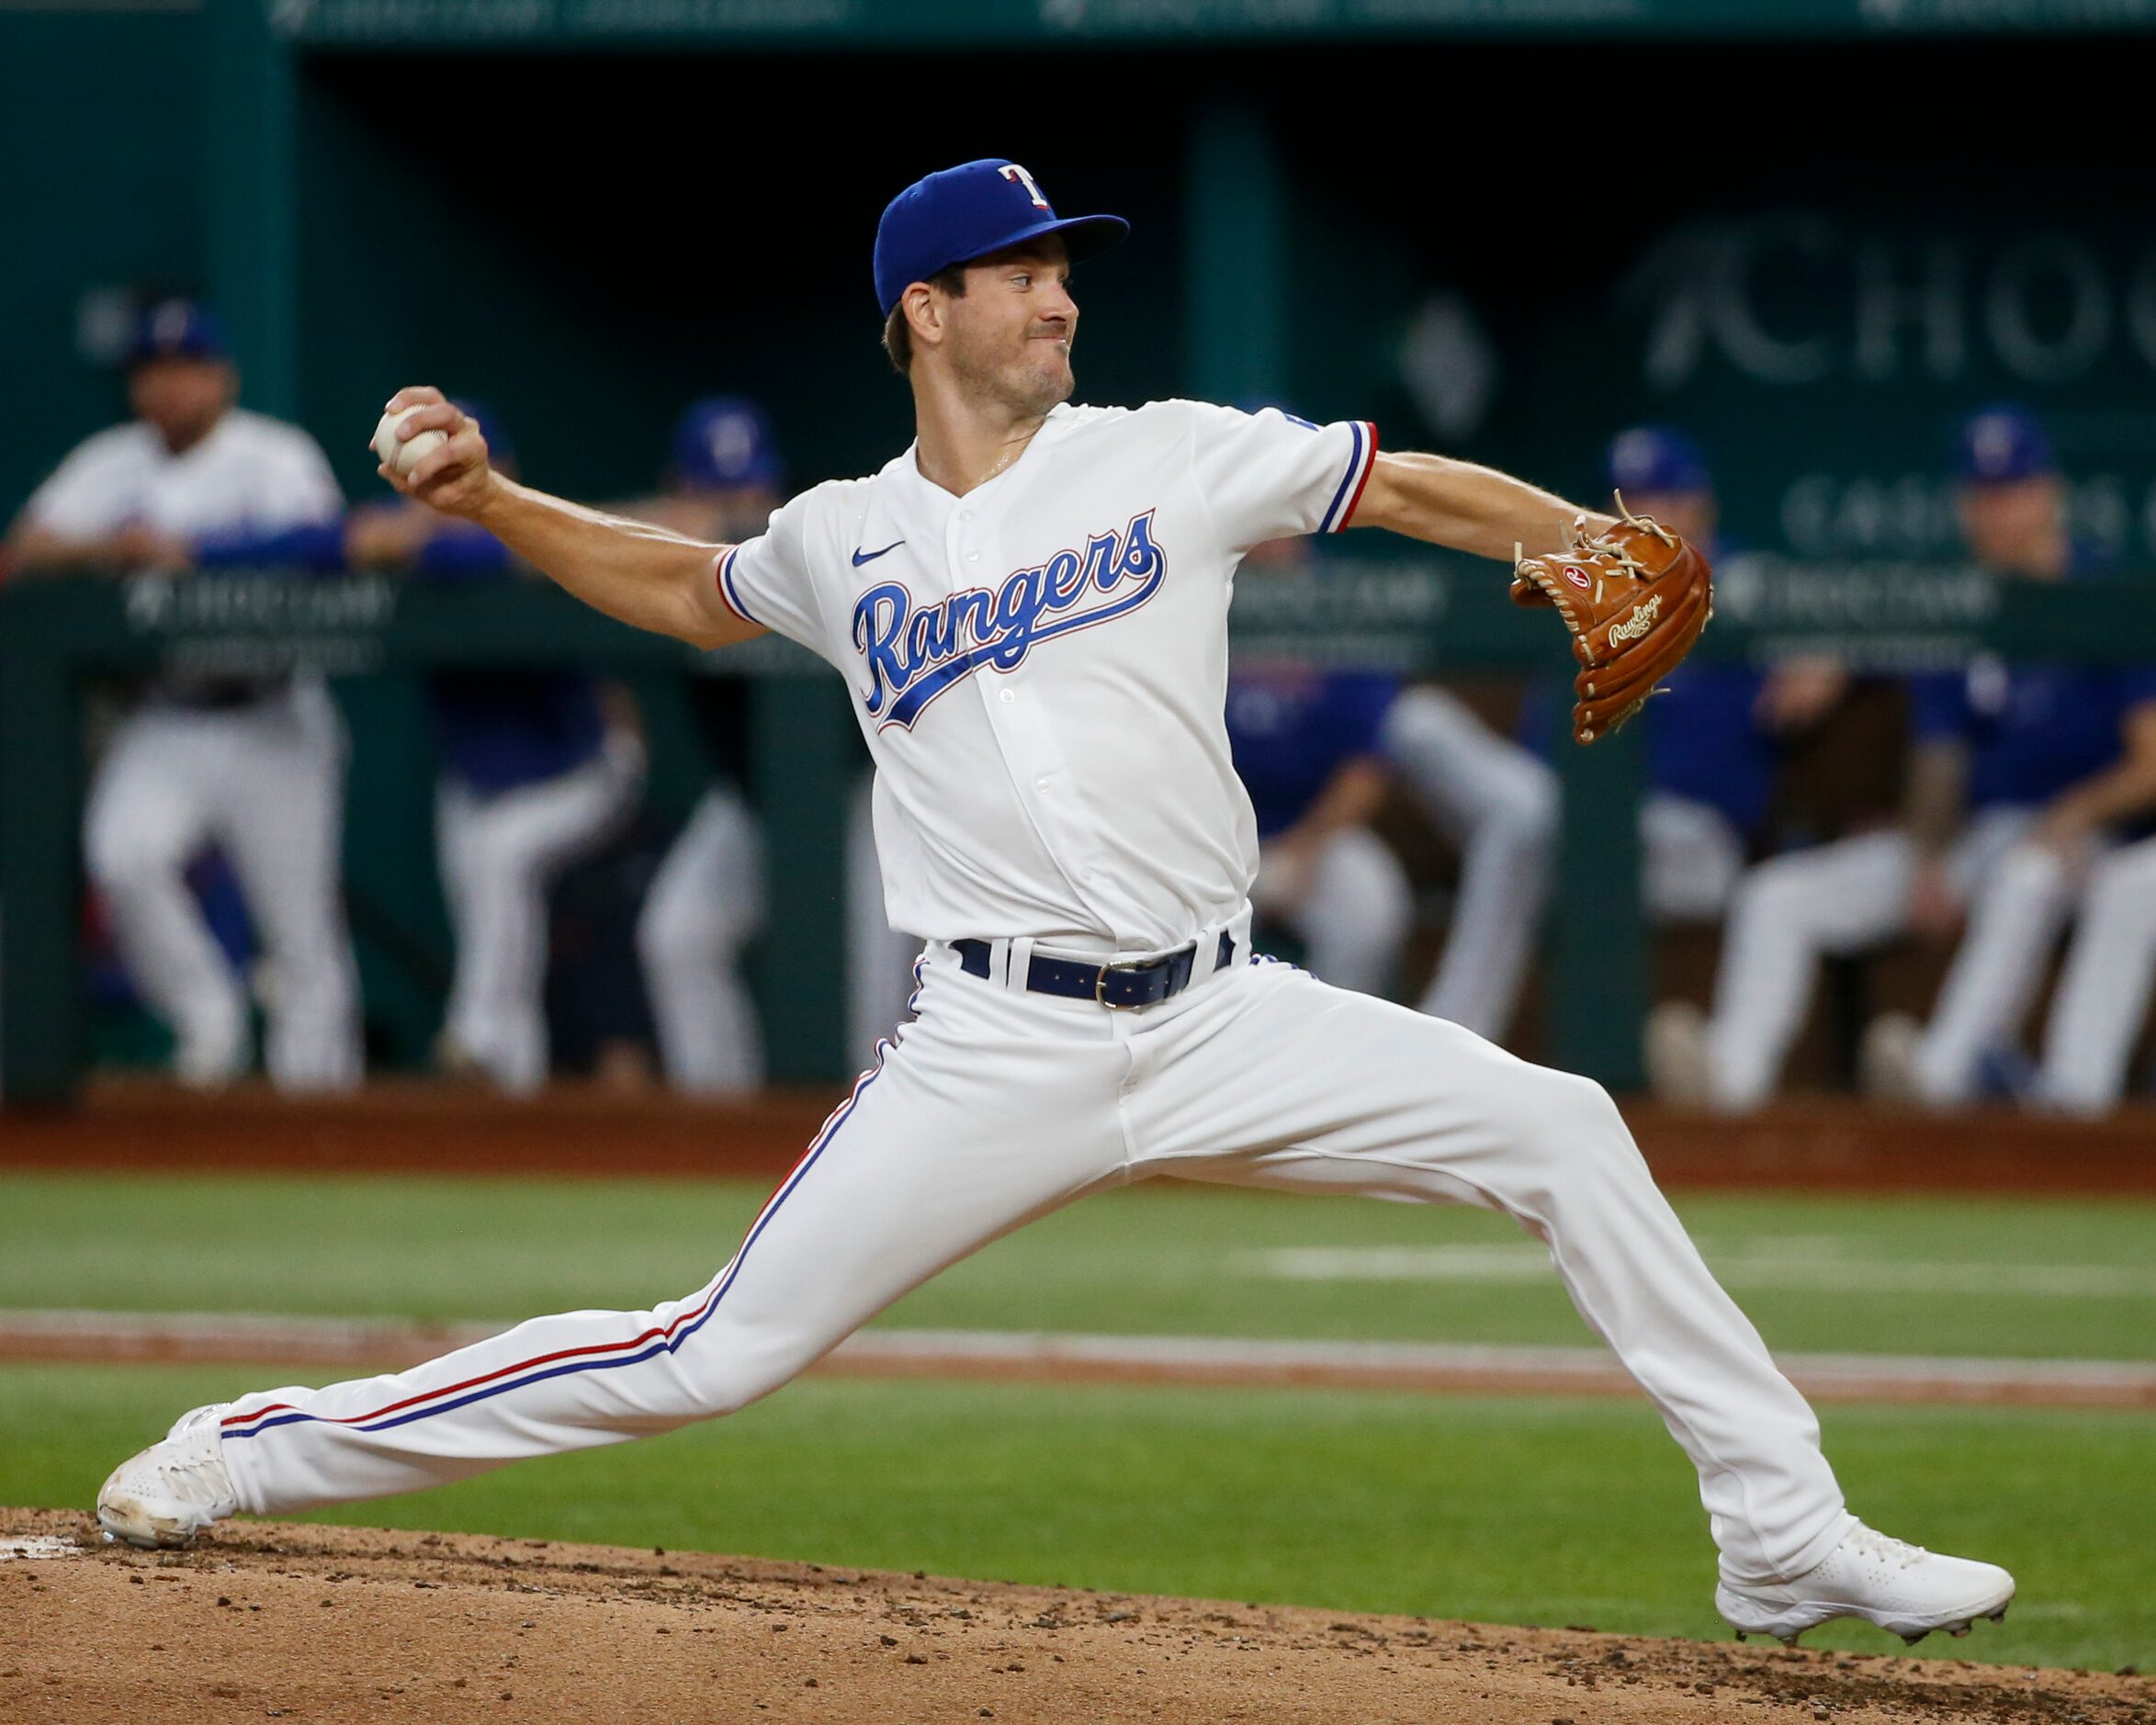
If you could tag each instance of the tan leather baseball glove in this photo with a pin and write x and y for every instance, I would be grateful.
(1635, 598)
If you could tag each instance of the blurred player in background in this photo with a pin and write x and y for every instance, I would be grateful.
(2016, 775)
(250, 764)
(1715, 733)
(537, 767)
(707, 901)
(1714, 736)
(2104, 991)
(1305, 746)
(1499, 806)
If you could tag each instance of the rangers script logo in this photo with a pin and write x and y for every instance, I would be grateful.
(914, 654)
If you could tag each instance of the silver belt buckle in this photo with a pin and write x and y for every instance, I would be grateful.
(1101, 984)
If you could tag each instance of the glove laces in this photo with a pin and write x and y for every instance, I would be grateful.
(1606, 547)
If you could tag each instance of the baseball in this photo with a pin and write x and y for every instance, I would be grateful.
(401, 458)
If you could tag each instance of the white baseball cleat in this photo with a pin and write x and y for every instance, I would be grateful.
(1886, 1059)
(1902, 1589)
(1680, 1066)
(173, 1490)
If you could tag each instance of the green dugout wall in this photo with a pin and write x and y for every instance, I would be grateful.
(1814, 231)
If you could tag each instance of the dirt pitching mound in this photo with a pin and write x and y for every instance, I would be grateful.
(280, 1621)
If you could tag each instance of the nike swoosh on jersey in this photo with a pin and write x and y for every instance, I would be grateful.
(861, 557)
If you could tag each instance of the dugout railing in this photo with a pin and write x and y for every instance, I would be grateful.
(1415, 614)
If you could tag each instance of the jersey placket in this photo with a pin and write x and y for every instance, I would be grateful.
(1018, 718)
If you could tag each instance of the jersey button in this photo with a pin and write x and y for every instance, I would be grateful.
(973, 556)
(1006, 697)
(1041, 786)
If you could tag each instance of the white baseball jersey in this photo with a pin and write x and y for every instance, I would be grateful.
(251, 471)
(1040, 666)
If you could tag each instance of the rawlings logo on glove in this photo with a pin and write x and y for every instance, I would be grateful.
(1635, 598)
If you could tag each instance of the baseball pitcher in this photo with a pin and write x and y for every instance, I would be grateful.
(1029, 605)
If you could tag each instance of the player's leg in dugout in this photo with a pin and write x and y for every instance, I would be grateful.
(2018, 890)
(282, 817)
(2104, 988)
(1837, 898)
(705, 904)
(1280, 1081)
(992, 1107)
(500, 855)
(1499, 804)
(151, 807)
(1356, 917)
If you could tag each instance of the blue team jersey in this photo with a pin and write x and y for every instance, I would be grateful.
(496, 730)
(1705, 743)
(1291, 729)
(2032, 730)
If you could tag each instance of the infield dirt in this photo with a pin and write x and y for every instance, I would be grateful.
(283, 1621)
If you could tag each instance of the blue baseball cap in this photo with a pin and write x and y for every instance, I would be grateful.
(966, 213)
(724, 442)
(176, 329)
(1657, 461)
(2001, 446)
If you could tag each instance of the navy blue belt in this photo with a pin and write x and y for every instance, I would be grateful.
(1145, 983)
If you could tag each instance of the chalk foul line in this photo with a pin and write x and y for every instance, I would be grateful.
(241, 1338)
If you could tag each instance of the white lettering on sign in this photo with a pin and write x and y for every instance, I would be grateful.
(2047, 268)
(1914, 515)
(1792, 297)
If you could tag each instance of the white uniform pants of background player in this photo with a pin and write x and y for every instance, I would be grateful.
(2105, 988)
(706, 903)
(264, 783)
(1354, 915)
(996, 1106)
(1854, 894)
(1499, 805)
(499, 856)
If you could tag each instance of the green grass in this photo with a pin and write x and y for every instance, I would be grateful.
(1515, 1510)
(1159, 1260)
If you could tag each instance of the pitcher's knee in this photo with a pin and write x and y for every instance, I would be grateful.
(1567, 1116)
(724, 1367)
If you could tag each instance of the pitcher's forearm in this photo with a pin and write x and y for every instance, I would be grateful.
(1470, 508)
(643, 574)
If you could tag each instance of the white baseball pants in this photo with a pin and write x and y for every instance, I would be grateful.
(1854, 894)
(707, 902)
(1499, 805)
(499, 856)
(265, 784)
(2105, 988)
(996, 1106)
